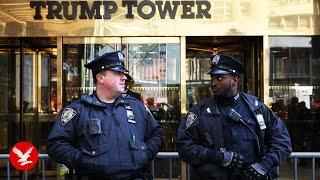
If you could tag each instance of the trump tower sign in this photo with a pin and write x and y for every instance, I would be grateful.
(146, 9)
(116, 18)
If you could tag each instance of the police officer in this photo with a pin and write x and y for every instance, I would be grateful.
(106, 135)
(232, 135)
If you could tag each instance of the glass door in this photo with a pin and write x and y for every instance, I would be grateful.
(9, 90)
(28, 78)
(39, 89)
(154, 64)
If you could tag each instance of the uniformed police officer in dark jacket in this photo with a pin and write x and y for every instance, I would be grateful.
(106, 135)
(232, 135)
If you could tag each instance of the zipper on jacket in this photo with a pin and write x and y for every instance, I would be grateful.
(117, 125)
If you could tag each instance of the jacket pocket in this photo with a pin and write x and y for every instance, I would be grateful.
(94, 158)
(250, 133)
(139, 152)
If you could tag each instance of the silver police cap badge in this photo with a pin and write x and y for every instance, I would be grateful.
(120, 55)
(190, 119)
(215, 59)
(67, 115)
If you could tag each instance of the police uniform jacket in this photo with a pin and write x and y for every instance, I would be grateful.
(203, 131)
(96, 141)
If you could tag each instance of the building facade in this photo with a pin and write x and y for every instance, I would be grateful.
(168, 46)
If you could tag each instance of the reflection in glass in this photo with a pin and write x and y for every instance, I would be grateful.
(294, 87)
(39, 88)
(198, 81)
(155, 69)
(28, 83)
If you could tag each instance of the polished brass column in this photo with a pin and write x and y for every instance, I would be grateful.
(59, 73)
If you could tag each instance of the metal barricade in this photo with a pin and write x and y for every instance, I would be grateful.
(166, 155)
(313, 155)
(42, 158)
(171, 156)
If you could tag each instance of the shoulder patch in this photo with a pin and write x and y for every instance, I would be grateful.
(190, 119)
(67, 115)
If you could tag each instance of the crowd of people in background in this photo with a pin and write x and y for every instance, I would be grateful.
(302, 123)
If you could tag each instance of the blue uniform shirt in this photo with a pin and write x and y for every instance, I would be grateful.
(96, 141)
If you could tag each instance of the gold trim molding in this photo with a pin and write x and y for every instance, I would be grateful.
(222, 18)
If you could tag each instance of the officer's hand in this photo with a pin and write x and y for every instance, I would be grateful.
(233, 160)
(256, 171)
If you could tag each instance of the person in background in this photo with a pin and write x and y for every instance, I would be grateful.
(292, 109)
(232, 135)
(106, 135)
(129, 85)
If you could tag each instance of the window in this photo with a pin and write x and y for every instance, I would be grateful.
(155, 68)
(294, 87)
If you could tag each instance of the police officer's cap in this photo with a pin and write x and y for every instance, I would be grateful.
(223, 64)
(113, 61)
